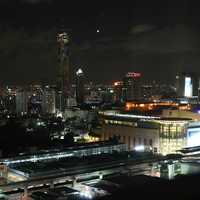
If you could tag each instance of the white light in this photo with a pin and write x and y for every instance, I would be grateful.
(188, 87)
(139, 148)
(79, 71)
(193, 137)
(109, 113)
(86, 194)
(97, 30)
(59, 114)
(184, 101)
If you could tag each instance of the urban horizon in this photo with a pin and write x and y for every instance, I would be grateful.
(99, 101)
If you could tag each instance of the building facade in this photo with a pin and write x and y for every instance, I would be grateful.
(132, 136)
(132, 86)
(22, 100)
(187, 84)
(80, 90)
(172, 135)
(49, 101)
(63, 77)
(166, 134)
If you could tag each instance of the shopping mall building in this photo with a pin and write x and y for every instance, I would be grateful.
(164, 134)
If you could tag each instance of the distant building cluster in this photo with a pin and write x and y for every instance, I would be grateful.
(28, 100)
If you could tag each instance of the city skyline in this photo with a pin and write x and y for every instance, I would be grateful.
(99, 100)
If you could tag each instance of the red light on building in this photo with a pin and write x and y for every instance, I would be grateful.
(133, 74)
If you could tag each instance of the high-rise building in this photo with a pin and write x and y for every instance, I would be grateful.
(147, 91)
(22, 100)
(49, 101)
(80, 86)
(63, 79)
(132, 86)
(187, 84)
(35, 100)
(118, 85)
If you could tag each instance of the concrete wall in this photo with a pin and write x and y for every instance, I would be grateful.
(130, 135)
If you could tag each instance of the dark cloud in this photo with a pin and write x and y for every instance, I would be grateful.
(36, 1)
(145, 36)
(158, 54)
(169, 50)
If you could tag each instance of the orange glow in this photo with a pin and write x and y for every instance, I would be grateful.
(117, 83)
(185, 107)
(128, 106)
(153, 105)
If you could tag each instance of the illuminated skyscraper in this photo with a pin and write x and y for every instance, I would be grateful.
(80, 86)
(188, 84)
(63, 79)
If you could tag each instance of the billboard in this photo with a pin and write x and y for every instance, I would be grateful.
(188, 87)
(193, 137)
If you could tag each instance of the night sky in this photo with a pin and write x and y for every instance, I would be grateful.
(157, 38)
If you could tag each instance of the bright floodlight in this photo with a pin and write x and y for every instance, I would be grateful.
(79, 71)
(59, 114)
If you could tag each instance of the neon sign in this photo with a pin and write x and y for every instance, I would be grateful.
(133, 74)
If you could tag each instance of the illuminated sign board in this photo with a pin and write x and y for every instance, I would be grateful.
(188, 87)
(193, 137)
(133, 74)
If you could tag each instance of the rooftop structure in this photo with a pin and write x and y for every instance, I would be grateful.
(78, 151)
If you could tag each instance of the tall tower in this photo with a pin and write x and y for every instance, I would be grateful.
(189, 84)
(63, 79)
(80, 86)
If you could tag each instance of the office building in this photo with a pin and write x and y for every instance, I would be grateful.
(187, 84)
(22, 100)
(132, 86)
(49, 101)
(118, 85)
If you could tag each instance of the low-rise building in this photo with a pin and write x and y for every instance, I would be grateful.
(166, 134)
